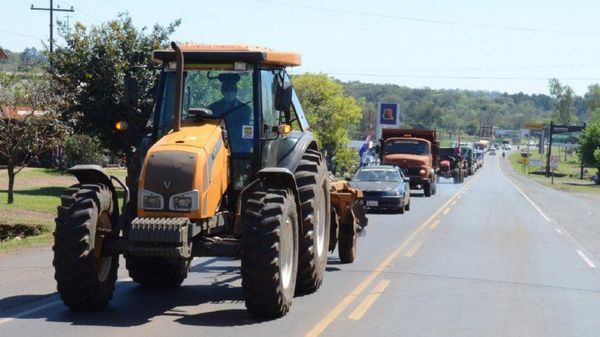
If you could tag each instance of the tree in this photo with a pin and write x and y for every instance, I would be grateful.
(90, 71)
(592, 99)
(24, 138)
(589, 145)
(330, 114)
(564, 102)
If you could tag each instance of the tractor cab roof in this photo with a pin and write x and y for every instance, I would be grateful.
(208, 53)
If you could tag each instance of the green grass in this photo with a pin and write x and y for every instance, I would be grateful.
(37, 205)
(569, 169)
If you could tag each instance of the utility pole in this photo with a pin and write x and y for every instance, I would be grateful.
(51, 9)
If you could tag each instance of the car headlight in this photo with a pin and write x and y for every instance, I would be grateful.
(150, 200)
(394, 193)
(186, 201)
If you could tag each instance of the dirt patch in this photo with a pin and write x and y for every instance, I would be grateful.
(19, 231)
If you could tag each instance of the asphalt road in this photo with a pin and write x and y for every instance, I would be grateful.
(496, 256)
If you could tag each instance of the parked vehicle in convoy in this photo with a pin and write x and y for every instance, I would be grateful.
(452, 165)
(416, 152)
(217, 175)
(383, 187)
(492, 151)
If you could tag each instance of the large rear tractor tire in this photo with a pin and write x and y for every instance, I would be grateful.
(85, 279)
(157, 272)
(269, 251)
(313, 188)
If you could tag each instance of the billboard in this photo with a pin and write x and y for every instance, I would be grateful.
(388, 116)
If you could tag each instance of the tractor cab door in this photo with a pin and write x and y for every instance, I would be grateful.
(279, 118)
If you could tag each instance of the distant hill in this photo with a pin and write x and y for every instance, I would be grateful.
(455, 110)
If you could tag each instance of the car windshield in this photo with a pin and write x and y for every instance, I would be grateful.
(407, 147)
(377, 175)
(226, 93)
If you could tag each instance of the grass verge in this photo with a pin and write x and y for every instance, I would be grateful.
(566, 174)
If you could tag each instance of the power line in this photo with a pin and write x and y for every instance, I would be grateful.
(21, 35)
(522, 67)
(426, 20)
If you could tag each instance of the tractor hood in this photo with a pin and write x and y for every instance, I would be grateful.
(198, 136)
(190, 163)
(407, 160)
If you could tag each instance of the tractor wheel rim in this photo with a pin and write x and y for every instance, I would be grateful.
(286, 252)
(321, 219)
(102, 264)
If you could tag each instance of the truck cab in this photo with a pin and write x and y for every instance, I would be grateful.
(415, 152)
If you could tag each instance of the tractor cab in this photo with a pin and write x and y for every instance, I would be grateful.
(243, 89)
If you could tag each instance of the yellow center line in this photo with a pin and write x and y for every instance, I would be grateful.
(364, 306)
(446, 210)
(347, 300)
(414, 249)
(453, 203)
(435, 224)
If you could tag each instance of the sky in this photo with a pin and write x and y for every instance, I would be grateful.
(494, 45)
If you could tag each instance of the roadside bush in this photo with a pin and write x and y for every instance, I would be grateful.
(83, 149)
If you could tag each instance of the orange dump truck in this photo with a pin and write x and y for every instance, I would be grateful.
(416, 152)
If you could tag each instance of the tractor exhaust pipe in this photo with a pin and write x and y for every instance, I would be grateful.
(178, 87)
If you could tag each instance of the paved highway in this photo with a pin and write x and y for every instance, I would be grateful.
(496, 256)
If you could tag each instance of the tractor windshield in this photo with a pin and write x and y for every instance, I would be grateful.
(226, 93)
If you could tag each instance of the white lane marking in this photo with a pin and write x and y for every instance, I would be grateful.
(29, 312)
(528, 199)
(586, 259)
(44, 307)
(559, 231)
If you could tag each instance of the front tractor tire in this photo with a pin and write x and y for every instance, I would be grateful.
(85, 279)
(313, 189)
(269, 251)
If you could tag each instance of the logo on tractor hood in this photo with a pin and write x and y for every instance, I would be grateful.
(166, 184)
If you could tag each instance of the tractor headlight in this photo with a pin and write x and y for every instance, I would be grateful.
(186, 201)
(150, 200)
(423, 172)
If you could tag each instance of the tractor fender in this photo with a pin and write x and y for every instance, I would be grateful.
(94, 174)
(292, 159)
(281, 177)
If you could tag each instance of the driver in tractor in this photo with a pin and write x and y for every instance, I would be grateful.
(238, 114)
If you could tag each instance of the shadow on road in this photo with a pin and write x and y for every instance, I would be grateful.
(134, 305)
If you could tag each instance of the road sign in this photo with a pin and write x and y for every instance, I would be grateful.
(566, 128)
(536, 162)
(534, 126)
(554, 162)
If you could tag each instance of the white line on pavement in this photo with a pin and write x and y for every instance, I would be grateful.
(43, 307)
(29, 312)
(525, 195)
(559, 231)
(586, 259)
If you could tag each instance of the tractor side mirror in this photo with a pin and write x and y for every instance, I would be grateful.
(132, 91)
(283, 97)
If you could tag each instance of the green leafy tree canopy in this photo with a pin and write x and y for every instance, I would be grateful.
(330, 113)
(90, 71)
